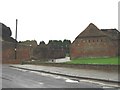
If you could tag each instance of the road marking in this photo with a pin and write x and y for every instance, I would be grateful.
(69, 80)
(40, 73)
(106, 87)
(51, 75)
(41, 83)
(34, 72)
(103, 84)
(72, 81)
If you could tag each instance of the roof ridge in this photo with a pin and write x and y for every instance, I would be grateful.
(90, 29)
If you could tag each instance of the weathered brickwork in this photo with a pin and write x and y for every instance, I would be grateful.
(47, 52)
(8, 52)
(93, 42)
(25, 50)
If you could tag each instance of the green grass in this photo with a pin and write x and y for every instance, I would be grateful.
(112, 60)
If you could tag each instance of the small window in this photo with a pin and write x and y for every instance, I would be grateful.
(101, 40)
(97, 40)
(93, 40)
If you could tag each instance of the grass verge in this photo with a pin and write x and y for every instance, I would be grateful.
(110, 60)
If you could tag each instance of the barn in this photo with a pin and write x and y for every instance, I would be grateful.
(95, 42)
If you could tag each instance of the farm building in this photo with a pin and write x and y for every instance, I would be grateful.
(8, 47)
(94, 42)
(16, 52)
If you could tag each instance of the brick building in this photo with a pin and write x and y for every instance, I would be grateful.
(8, 52)
(94, 42)
(25, 50)
(8, 47)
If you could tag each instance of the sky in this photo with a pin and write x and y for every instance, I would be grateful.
(45, 20)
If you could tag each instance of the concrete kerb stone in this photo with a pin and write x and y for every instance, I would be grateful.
(111, 68)
(68, 75)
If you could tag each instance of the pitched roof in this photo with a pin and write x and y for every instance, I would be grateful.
(93, 31)
(112, 33)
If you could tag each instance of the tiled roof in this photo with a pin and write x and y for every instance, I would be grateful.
(112, 33)
(93, 31)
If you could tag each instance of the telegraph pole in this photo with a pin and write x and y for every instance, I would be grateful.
(16, 40)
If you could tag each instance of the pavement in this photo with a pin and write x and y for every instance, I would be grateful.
(75, 73)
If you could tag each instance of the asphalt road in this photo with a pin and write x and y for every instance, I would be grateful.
(18, 78)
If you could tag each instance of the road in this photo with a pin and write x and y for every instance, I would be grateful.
(18, 78)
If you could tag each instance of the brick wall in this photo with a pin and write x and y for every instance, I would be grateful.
(94, 47)
(24, 52)
(43, 52)
(8, 52)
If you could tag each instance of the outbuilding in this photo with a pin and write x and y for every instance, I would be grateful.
(95, 42)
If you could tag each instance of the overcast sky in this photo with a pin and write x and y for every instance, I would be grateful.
(57, 19)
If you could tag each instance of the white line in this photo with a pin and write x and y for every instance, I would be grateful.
(72, 81)
(41, 83)
(103, 84)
